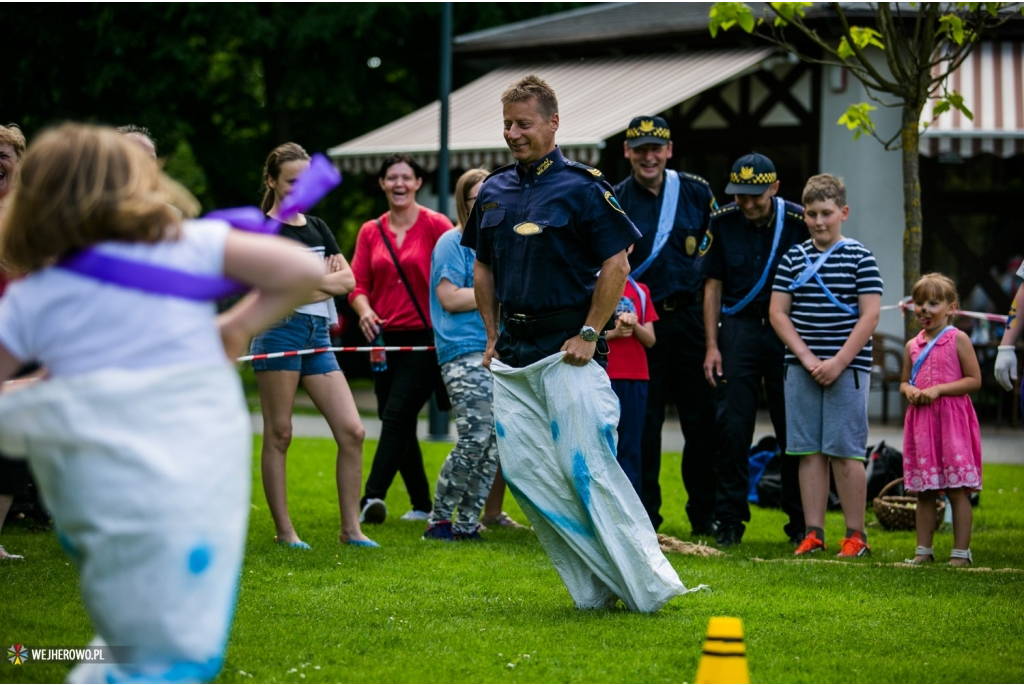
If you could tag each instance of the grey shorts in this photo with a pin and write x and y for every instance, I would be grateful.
(829, 420)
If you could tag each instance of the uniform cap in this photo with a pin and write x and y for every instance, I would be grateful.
(751, 175)
(647, 131)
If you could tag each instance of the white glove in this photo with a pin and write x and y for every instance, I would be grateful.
(1006, 366)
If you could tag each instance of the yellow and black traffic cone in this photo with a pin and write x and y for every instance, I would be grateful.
(724, 659)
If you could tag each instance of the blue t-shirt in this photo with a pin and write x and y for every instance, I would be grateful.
(849, 272)
(454, 334)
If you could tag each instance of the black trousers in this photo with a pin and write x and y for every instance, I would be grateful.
(752, 354)
(676, 365)
(401, 392)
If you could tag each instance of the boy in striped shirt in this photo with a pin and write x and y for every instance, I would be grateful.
(825, 304)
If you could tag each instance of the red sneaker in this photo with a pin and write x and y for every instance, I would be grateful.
(854, 546)
(810, 544)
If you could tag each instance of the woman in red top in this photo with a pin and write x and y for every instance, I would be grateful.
(385, 308)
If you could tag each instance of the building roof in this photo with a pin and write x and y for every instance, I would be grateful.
(597, 98)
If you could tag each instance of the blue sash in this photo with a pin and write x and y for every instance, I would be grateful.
(925, 352)
(643, 299)
(812, 272)
(670, 199)
(780, 215)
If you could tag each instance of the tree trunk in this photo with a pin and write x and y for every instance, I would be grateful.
(912, 221)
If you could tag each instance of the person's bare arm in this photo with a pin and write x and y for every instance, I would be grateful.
(909, 391)
(607, 293)
(971, 381)
(454, 299)
(645, 334)
(712, 315)
(281, 275)
(778, 313)
(869, 305)
(483, 290)
(338, 279)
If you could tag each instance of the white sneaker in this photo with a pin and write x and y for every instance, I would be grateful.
(4, 554)
(374, 511)
(414, 515)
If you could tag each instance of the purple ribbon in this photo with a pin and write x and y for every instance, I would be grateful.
(315, 182)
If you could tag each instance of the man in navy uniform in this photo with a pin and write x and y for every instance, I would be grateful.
(673, 211)
(739, 255)
(550, 242)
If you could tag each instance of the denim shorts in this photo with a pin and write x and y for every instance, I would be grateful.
(829, 420)
(297, 332)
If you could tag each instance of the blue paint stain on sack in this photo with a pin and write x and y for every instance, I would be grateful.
(199, 559)
(609, 437)
(499, 429)
(581, 478)
(554, 431)
(559, 520)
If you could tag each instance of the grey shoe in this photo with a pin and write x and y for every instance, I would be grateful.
(374, 511)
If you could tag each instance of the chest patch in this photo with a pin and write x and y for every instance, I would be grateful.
(528, 228)
(691, 245)
(489, 205)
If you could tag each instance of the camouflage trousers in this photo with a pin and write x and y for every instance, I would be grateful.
(468, 472)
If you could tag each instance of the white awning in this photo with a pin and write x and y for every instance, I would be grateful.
(596, 98)
(991, 81)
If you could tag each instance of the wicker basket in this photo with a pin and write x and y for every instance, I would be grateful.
(900, 513)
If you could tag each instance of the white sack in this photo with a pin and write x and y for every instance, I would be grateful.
(147, 475)
(557, 431)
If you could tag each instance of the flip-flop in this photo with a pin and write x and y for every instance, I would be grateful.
(362, 543)
(299, 544)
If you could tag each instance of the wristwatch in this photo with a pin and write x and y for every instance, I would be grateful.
(588, 334)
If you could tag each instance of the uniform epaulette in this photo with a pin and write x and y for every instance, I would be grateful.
(728, 209)
(694, 177)
(794, 215)
(580, 166)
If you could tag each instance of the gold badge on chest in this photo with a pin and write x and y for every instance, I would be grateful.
(691, 245)
(528, 228)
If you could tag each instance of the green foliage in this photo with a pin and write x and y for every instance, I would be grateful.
(182, 166)
(418, 611)
(787, 12)
(858, 119)
(950, 100)
(863, 36)
(725, 15)
(952, 28)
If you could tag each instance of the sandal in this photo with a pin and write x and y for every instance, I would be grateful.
(502, 520)
(927, 552)
(298, 544)
(960, 557)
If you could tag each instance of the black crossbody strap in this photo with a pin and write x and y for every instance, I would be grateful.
(401, 274)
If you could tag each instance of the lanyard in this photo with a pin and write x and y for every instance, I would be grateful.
(812, 271)
(669, 202)
(925, 352)
(780, 210)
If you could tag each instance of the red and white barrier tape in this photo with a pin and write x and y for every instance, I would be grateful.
(905, 305)
(318, 350)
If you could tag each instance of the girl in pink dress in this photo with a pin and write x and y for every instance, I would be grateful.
(941, 440)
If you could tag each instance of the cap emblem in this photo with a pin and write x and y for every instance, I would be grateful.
(747, 173)
(647, 125)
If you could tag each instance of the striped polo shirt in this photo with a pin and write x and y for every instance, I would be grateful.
(849, 272)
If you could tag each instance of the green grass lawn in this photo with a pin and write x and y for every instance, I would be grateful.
(496, 611)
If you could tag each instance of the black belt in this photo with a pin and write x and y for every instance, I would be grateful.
(536, 325)
(680, 299)
(754, 310)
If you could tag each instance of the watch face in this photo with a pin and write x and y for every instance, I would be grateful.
(588, 334)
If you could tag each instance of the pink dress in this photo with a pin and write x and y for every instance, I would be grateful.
(941, 441)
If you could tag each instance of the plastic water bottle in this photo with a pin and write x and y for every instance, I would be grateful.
(378, 358)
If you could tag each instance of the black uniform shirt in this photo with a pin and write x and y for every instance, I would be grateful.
(673, 270)
(545, 232)
(735, 250)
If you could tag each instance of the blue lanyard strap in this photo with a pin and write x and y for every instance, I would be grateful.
(643, 299)
(812, 271)
(667, 218)
(780, 212)
(925, 352)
